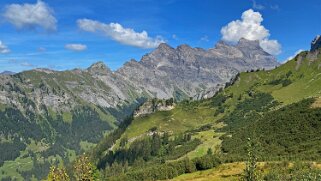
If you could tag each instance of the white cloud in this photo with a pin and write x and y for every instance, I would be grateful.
(257, 6)
(26, 64)
(76, 47)
(293, 56)
(174, 36)
(271, 46)
(3, 48)
(120, 34)
(250, 27)
(204, 38)
(30, 16)
(275, 7)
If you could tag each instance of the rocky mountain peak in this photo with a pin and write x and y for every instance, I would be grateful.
(184, 47)
(131, 62)
(99, 68)
(162, 51)
(316, 43)
(248, 43)
(164, 47)
(221, 43)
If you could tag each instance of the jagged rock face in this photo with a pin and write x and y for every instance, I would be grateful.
(316, 43)
(166, 72)
(194, 72)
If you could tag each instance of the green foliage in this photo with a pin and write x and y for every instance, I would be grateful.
(39, 170)
(169, 102)
(151, 148)
(281, 171)
(286, 82)
(206, 162)
(248, 111)
(106, 143)
(58, 174)
(169, 170)
(210, 151)
(218, 100)
(86, 125)
(290, 132)
(84, 170)
(10, 150)
(123, 141)
(183, 149)
(19, 128)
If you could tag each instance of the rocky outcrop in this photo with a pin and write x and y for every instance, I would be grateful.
(316, 43)
(154, 105)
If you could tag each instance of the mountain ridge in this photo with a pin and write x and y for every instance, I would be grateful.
(166, 72)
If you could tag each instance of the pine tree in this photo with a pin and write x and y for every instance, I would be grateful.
(209, 151)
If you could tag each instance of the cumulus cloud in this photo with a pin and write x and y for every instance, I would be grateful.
(3, 48)
(250, 27)
(120, 34)
(30, 16)
(271, 46)
(76, 47)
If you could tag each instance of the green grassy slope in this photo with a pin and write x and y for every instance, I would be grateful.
(286, 84)
(243, 109)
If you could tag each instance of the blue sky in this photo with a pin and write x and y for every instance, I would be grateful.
(65, 34)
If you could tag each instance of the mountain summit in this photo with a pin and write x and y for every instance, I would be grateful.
(316, 43)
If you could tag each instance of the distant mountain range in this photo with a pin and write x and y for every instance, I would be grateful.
(193, 72)
(7, 73)
(166, 72)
